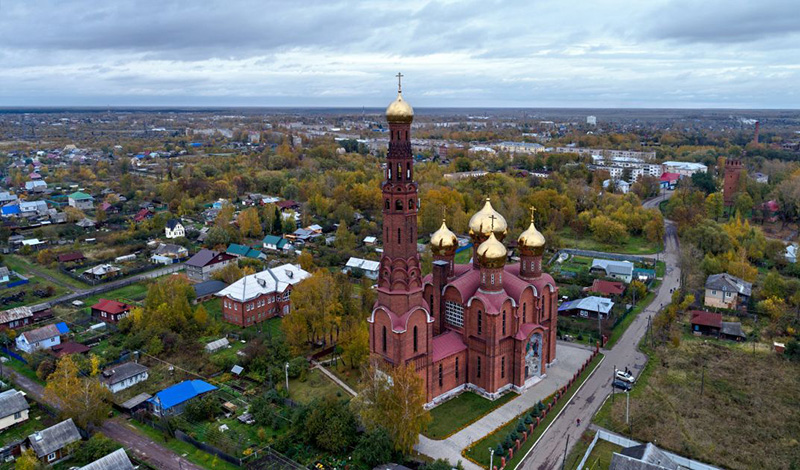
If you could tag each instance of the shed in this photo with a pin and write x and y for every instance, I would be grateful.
(117, 460)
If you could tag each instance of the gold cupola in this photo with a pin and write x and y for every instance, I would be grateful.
(492, 253)
(443, 241)
(399, 111)
(531, 242)
(487, 221)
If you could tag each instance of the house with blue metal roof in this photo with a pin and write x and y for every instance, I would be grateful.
(173, 400)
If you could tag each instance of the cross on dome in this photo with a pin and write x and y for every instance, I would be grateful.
(399, 82)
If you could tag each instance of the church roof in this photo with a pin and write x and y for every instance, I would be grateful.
(447, 344)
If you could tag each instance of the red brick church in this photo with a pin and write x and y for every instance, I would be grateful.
(489, 326)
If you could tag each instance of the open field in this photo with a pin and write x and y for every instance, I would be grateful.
(455, 414)
(20, 264)
(133, 292)
(316, 385)
(746, 398)
(629, 245)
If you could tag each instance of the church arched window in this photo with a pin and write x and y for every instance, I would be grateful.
(384, 339)
(441, 376)
(480, 323)
(399, 240)
(386, 205)
(456, 367)
(410, 203)
(524, 308)
(504, 322)
(398, 205)
(415, 339)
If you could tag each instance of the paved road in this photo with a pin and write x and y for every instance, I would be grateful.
(145, 449)
(549, 452)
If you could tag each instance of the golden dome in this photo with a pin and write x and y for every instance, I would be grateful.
(531, 242)
(399, 111)
(486, 221)
(443, 241)
(492, 253)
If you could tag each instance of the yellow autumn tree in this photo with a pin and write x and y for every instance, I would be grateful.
(316, 311)
(84, 399)
(393, 399)
(249, 223)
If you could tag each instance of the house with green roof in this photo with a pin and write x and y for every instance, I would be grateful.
(243, 251)
(81, 200)
(276, 243)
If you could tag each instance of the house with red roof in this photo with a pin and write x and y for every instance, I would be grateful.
(706, 323)
(770, 211)
(142, 215)
(110, 310)
(71, 257)
(669, 180)
(607, 288)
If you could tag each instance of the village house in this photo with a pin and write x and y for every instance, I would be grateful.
(205, 262)
(173, 400)
(276, 243)
(35, 186)
(16, 318)
(142, 215)
(366, 267)
(110, 311)
(117, 460)
(606, 288)
(587, 307)
(622, 270)
(13, 409)
(102, 271)
(80, 200)
(174, 229)
(52, 445)
(122, 376)
(41, 338)
(71, 257)
(258, 297)
(726, 291)
(243, 251)
(168, 253)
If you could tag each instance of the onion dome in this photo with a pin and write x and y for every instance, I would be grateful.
(492, 253)
(444, 241)
(487, 221)
(399, 111)
(531, 242)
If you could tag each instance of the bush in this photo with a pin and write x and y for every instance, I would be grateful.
(528, 420)
(297, 366)
(520, 427)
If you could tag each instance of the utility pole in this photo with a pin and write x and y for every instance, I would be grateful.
(287, 377)
(564, 462)
(491, 458)
(703, 380)
(627, 407)
(614, 376)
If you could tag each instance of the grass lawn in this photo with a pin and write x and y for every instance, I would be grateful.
(747, 398)
(345, 373)
(618, 330)
(600, 457)
(478, 452)
(20, 264)
(184, 449)
(461, 411)
(463, 257)
(21, 368)
(133, 292)
(214, 308)
(316, 385)
(37, 420)
(629, 245)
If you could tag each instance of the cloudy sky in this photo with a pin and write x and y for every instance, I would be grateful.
(530, 53)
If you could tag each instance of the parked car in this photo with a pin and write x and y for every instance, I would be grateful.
(622, 385)
(625, 376)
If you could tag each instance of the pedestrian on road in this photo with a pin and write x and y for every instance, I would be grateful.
(579, 421)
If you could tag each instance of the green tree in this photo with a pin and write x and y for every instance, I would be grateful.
(28, 461)
(374, 448)
(330, 425)
(715, 205)
(345, 241)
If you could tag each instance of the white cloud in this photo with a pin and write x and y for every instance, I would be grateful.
(340, 53)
